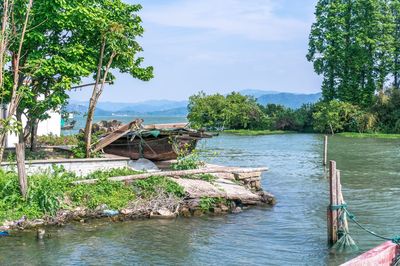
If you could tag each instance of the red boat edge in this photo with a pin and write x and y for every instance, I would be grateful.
(384, 254)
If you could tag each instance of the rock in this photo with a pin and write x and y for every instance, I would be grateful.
(237, 210)
(185, 212)
(198, 212)
(162, 213)
(217, 210)
(224, 208)
(40, 233)
(127, 211)
(101, 208)
(267, 197)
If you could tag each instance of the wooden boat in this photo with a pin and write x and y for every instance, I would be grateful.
(157, 142)
(386, 254)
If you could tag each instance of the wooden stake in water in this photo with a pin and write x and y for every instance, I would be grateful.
(325, 150)
(332, 214)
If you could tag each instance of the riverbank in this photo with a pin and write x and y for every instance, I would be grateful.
(59, 197)
(368, 135)
(248, 132)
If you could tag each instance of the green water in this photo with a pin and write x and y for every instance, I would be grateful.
(291, 233)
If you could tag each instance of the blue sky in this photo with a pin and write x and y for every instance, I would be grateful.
(219, 46)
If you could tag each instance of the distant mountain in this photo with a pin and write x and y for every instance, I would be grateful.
(140, 107)
(179, 108)
(289, 99)
(82, 109)
(180, 111)
(257, 93)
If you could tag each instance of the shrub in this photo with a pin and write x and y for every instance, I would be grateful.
(149, 186)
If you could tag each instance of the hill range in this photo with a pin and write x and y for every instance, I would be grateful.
(179, 108)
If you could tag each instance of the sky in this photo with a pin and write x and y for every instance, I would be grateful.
(219, 46)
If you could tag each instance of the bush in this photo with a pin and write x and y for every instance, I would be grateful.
(149, 186)
(52, 140)
(50, 191)
(336, 116)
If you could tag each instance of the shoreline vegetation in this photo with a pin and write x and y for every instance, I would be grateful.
(249, 132)
(56, 196)
(368, 135)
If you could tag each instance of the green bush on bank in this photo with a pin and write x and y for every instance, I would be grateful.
(244, 115)
(49, 192)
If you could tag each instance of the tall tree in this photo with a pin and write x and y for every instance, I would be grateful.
(351, 46)
(395, 9)
(113, 37)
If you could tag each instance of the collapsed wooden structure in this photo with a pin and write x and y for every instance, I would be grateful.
(156, 142)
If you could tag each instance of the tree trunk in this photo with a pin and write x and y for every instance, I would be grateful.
(34, 130)
(23, 182)
(15, 97)
(92, 102)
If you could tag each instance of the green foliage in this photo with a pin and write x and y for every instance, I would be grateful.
(354, 46)
(53, 140)
(245, 132)
(187, 159)
(369, 135)
(387, 111)
(49, 192)
(206, 177)
(115, 195)
(79, 150)
(149, 186)
(235, 111)
(336, 116)
(207, 203)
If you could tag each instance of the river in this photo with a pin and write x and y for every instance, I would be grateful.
(291, 233)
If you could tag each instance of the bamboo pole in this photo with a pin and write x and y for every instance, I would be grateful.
(341, 200)
(214, 170)
(333, 214)
(325, 150)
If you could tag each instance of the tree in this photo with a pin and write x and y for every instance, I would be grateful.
(14, 26)
(113, 36)
(206, 111)
(351, 46)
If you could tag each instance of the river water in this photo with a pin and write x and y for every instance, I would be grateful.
(291, 233)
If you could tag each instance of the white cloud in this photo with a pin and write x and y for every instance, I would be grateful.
(252, 19)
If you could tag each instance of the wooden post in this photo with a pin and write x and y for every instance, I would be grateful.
(344, 223)
(332, 214)
(325, 150)
(23, 182)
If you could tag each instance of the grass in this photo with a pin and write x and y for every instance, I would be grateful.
(49, 192)
(248, 132)
(369, 135)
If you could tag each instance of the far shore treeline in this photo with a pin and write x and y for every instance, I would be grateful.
(355, 46)
(236, 111)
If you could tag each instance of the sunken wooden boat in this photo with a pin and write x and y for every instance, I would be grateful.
(158, 142)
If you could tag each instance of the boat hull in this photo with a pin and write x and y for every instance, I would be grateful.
(155, 149)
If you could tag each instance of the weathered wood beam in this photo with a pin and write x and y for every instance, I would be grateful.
(234, 170)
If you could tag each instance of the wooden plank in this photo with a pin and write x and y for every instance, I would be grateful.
(333, 216)
(165, 126)
(383, 254)
(176, 173)
(23, 182)
(110, 138)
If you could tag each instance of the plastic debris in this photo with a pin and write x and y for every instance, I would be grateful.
(4, 233)
(143, 165)
(110, 212)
